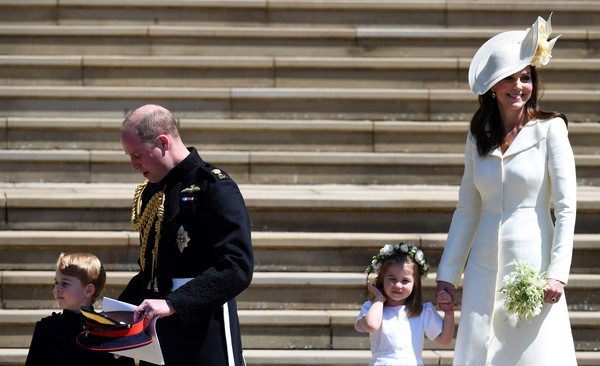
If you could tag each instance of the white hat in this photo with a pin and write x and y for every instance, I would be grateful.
(509, 52)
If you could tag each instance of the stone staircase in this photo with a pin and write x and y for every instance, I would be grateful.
(343, 121)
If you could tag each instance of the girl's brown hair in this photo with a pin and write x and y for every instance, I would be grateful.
(414, 302)
(85, 267)
(486, 126)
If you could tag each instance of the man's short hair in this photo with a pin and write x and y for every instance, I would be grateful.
(152, 124)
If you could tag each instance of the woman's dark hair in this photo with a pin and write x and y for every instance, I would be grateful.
(486, 126)
(414, 302)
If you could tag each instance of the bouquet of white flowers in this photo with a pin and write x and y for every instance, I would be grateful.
(524, 290)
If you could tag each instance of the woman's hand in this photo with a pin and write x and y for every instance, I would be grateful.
(554, 292)
(445, 296)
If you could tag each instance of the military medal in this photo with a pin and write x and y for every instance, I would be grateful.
(182, 239)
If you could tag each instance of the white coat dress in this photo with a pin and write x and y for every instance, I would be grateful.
(504, 214)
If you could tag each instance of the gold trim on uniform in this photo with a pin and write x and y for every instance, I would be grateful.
(152, 216)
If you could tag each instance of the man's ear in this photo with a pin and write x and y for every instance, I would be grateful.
(162, 142)
(90, 288)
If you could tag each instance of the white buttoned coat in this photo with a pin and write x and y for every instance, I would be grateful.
(504, 214)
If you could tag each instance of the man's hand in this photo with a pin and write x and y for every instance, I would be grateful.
(152, 308)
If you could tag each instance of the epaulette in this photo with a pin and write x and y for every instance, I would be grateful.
(211, 172)
(219, 174)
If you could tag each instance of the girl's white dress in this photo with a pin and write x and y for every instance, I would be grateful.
(399, 341)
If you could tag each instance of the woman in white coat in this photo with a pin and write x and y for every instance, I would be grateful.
(518, 162)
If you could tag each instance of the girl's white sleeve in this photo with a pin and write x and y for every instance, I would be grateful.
(363, 311)
(432, 321)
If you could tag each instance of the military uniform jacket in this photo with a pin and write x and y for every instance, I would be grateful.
(205, 235)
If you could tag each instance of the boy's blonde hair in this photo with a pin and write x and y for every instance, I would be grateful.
(86, 267)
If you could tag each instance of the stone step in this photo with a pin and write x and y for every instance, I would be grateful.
(270, 71)
(273, 103)
(262, 167)
(320, 208)
(82, 133)
(272, 290)
(336, 41)
(409, 13)
(298, 329)
(273, 251)
(64, 133)
(270, 357)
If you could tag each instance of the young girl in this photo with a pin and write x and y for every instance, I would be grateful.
(396, 317)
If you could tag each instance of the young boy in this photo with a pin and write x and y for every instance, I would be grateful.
(79, 280)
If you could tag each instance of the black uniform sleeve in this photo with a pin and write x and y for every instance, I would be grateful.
(230, 243)
(36, 348)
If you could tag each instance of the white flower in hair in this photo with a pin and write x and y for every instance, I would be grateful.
(404, 248)
(375, 264)
(419, 257)
(388, 249)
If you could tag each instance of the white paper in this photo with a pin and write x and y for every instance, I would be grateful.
(150, 352)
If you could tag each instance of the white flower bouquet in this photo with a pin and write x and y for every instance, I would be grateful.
(524, 290)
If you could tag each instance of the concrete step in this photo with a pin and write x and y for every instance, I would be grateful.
(16, 357)
(273, 103)
(64, 133)
(322, 41)
(270, 71)
(298, 329)
(262, 167)
(312, 208)
(273, 251)
(316, 12)
(272, 290)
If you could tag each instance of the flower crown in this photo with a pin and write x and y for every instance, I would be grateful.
(390, 250)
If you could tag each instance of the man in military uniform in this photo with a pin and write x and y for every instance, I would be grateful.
(196, 252)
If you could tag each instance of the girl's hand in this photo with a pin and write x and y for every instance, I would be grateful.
(445, 296)
(375, 291)
(554, 291)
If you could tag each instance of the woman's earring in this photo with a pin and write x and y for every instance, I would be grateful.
(493, 94)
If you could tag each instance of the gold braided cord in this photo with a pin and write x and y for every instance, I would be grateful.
(152, 216)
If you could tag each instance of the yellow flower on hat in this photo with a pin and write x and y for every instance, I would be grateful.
(543, 53)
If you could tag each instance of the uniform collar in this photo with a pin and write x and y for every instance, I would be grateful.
(181, 170)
